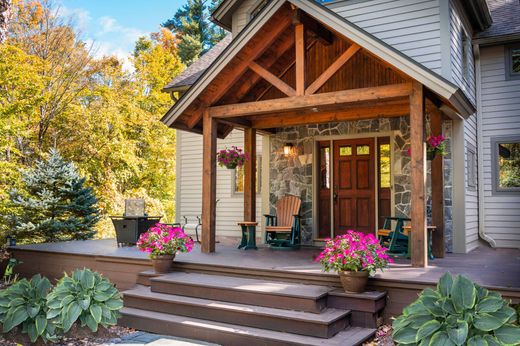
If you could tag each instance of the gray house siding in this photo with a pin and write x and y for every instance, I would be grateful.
(230, 206)
(463, 74)
(500, 116)
(411, 26)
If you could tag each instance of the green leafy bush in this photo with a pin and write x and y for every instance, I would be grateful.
(85, 296)
(24, 304)
(458, 312)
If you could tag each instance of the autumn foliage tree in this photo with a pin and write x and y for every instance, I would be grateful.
(105, 119)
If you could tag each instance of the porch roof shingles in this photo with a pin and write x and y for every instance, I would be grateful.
(437, 84)
(189, 76)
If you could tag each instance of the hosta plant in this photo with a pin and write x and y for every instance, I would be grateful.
(23, 305)
(457, 312)
(87, 297)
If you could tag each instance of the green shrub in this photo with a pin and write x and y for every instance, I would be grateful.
(24, 304)
(458, 312)
(85, 296)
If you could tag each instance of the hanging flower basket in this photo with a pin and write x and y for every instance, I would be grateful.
(232, 158)
(434, 145)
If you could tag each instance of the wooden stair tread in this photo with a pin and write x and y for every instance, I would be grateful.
(215, 331)
(326, 317)
(246, 285)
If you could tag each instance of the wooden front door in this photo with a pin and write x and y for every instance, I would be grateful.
(354, 187)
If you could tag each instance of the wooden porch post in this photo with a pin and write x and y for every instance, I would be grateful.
(209, 182)
(418, 173)
(250, 175)
(437, 176)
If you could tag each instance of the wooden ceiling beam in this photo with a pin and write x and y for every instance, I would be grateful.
(323, 34)
(354, 113)
(255, 48)
(271, 78)
(379, 93)
(286, 68)
(332, 69)
(267, 61)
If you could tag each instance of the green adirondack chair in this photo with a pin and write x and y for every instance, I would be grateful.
(394, 239)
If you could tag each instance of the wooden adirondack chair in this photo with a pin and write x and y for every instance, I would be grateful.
(395, 240)
(283, 229)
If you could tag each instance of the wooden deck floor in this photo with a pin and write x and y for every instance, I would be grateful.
(126, 266)
(489, 267)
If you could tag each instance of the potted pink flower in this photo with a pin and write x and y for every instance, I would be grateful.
(232, 158)
(163, 242)
(354, 256)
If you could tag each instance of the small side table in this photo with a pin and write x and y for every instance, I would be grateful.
(408, 231)
(248, 235)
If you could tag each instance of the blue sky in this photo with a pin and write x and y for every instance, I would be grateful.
(114, 25)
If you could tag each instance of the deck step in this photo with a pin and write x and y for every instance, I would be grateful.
(231, 334)
(274, 294)
(324, 325)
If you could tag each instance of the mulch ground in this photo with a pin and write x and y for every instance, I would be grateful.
(76, 337)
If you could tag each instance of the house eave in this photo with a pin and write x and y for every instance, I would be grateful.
(478, 13)
(222, 16)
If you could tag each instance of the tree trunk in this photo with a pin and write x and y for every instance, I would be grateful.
(5, 7)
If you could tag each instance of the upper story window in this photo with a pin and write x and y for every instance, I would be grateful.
(256, 10)
(506, 164)
(466, 55)
(513, 61)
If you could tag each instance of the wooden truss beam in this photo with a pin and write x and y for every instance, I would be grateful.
(354, 113)
(336, 98)
(235, 69)
(271, 78)
(299, 32)
(267, 60)
(332, 69)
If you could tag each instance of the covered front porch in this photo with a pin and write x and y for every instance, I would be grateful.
(302, 66)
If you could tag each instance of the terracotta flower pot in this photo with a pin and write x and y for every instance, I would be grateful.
(353, 282)
(162, 264)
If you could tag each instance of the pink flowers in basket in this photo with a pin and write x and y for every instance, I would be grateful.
(232, 158)
(354, 251)
(161, 240)
(435, 145)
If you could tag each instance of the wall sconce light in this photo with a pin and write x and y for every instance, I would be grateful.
(287, 149)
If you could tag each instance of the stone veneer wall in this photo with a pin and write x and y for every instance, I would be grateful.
(294, 174)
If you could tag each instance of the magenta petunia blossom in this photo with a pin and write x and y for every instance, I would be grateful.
(163, 239)
(354, 251)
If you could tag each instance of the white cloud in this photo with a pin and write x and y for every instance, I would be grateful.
(80, 17)
(110, 25)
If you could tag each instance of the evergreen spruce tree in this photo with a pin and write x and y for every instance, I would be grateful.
(196, 32)
(54, 204)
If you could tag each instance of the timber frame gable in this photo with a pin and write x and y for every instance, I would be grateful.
(247, 71)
